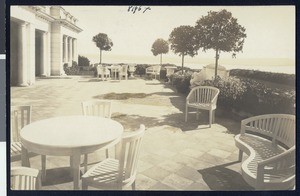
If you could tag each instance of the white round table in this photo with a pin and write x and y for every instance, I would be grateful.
(69, 136)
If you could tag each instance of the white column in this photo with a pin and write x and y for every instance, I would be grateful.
(70, 51)
(65, 49)
(48, 64)
(22, 56)
(31, 53)
(73, 51)
(44, 54)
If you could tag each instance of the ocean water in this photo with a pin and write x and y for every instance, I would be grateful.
(261, 64)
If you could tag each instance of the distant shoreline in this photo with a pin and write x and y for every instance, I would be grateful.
(278, 65)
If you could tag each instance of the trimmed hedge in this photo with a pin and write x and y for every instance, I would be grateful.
(181, 81)
(141, 70)
(279, 78)
(253, 97)
(231, 91)
(73, 70)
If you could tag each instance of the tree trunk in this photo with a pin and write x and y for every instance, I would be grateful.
(100, 56)
(160, 59)
(182, 62)
(216, 65)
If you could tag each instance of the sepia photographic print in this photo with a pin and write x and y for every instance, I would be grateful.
(152, 98)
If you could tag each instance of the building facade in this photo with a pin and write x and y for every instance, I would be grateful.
(42, 40)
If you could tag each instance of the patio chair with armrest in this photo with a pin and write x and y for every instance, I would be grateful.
(116, 173)
(203, 98)
(154, 70)
(103, 72)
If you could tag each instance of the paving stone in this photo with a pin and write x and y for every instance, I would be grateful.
(219, 153)
(189, 173)
(142, 166)
(197, 186)
(153, 159)
(170, 165)
(156, 173)
(143, 182)
(161, 187)
(192, 153)
(165, 153)
(177, 182)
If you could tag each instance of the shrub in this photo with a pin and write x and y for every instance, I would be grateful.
(73, 70)
(279, 78)
(181, 81)
(163, 74)
(253, 97)
(141, 69)
(231, 91)
(83, 61)
(258, 99)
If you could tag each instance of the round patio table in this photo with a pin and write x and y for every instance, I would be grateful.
(69, 136)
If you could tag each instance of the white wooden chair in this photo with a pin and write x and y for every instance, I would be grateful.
(96, 108)
(123, 72)
(116, 173)
(203, 98)
(100, 108)
(131, 69)
(20, 116)
(24, 178)
(103, 72)
(154, 70)
(269, 142)
(115, 69)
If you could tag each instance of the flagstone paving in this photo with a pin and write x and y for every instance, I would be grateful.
(175, 155)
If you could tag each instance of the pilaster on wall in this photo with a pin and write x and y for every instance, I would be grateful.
(31, 55)
(56, 50)
(22, 56)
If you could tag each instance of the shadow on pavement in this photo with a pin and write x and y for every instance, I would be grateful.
(57, 176)
(220, 178)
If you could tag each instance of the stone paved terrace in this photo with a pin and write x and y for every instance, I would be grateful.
(175, 155)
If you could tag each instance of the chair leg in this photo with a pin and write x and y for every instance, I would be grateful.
(43, 159)
(240, 155)
(84, 185)
(213, 116)
(197, 115)
(210, 117)
(85, 162)
(186, 113)
(25, 157)
(133, 185)
(106, 153)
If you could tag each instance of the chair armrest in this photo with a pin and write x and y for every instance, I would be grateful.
(278, 164)
(189, 95)
(246, 121)
(214, 100)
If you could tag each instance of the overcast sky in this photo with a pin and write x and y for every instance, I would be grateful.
(270, 29)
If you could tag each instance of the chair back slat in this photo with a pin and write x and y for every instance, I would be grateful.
(203, 94)
(286, 131)
(23, 178)
(129, 153)
(97, 108)
(20, 116)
